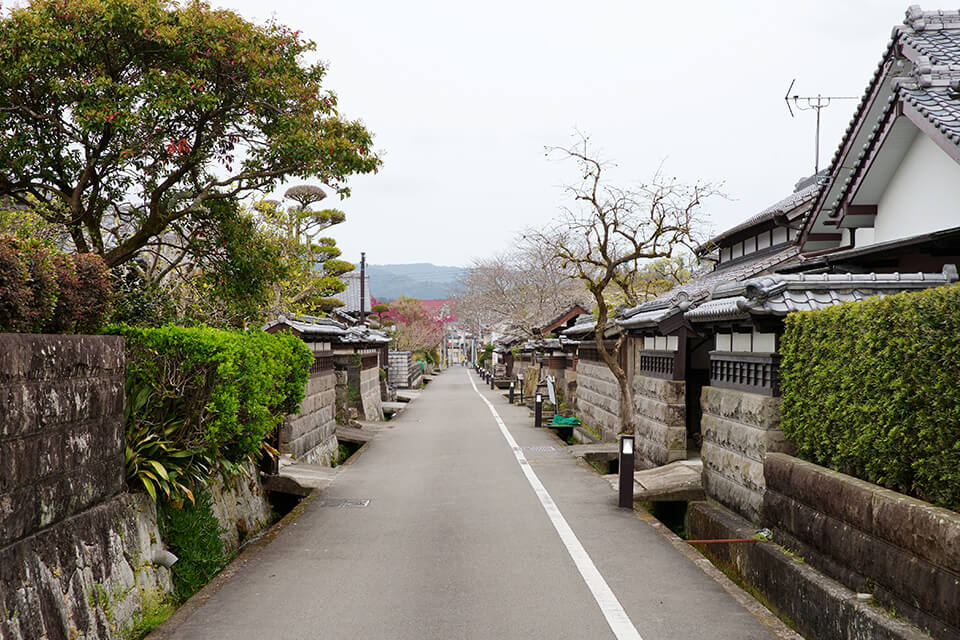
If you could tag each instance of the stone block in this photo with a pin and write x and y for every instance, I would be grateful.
(652, 409)
(750, 442)
(929, 532)
(747, 408)
(897, 576)
(666, 391)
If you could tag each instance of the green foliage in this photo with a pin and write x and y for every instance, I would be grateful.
(486, 354)
(153, 458)
(202, 397)
(45, 290)
(170, 105)
(149, 619)
(228, 269)
(140, 302)
(872, 389)
(192, 533)
(311, 267)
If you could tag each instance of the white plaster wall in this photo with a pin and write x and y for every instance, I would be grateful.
(923, 195)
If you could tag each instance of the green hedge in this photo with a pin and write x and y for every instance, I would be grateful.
(214, 391)
(872, 389)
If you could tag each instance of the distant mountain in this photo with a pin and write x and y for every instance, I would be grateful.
(423, 280)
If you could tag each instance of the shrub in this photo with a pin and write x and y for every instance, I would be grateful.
(45, 290)
(872, 389)
(14, 291)
(85, 294)
(207, 394)
(192, 533)
(94, 293)
(42, 281)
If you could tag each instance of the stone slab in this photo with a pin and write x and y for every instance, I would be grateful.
(675, 482)
(300, 479)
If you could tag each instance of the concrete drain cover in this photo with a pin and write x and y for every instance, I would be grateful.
(546, 448)
(344, 503)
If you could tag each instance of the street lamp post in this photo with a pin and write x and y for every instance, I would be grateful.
(626, 471)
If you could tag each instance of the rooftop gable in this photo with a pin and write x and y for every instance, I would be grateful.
(914, 91)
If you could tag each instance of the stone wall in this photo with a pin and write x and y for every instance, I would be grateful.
(598, 398)
(904, 551)
(404, 371)
(87, 577)
(310, 436)
(815, 605)
(738, 429)
(75, 551)
(370, 391)
(61, 428)
(358, 386)
(240, 505)
(660, 420)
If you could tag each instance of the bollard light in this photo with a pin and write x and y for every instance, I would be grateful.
(538, 411)
(626, 471)
(511, 392)
(520, 378)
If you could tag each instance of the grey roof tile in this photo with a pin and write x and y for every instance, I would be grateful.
(351, 295)
(802, 196)
(934, 37)
(780, 294)
(702, 286)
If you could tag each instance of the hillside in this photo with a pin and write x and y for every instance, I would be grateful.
(422, 280)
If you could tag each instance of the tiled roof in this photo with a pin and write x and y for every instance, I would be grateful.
(702, 286)
(351, 295)
(362, 335)
(920, 68)
(311, 326)
(780, 294)
(644, 318)
(940, 106)
(805, 193)
(585, 324)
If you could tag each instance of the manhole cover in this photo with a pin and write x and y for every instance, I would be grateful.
(344, 503)
(546, 448)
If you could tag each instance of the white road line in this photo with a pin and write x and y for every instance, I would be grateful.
(616, 617)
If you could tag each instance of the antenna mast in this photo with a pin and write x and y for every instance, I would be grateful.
(814, 103)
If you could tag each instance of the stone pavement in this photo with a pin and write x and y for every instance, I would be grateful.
(435, 531)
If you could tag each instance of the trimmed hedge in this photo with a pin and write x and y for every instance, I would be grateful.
(225, 391)
(872, 389)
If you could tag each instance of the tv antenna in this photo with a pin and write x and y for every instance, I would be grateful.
(812, 103)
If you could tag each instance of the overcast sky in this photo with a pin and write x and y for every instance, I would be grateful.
(463, 97)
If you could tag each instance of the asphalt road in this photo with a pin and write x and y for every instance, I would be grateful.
(456, 543)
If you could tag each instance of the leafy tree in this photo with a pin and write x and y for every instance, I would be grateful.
(609, 233)
(310, 261)
(225, 274)
(415, 329)
(380, 309)
(123, 117)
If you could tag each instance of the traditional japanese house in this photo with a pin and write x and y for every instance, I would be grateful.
(883, 218)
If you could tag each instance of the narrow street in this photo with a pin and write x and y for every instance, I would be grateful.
(456, 543)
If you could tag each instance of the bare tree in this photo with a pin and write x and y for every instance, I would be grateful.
(608, 234)
(520, 289)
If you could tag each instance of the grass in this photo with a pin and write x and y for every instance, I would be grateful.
(149, 619)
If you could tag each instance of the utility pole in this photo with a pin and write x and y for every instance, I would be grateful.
(363, 288)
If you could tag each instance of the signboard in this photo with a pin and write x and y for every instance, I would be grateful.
(551, 390)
